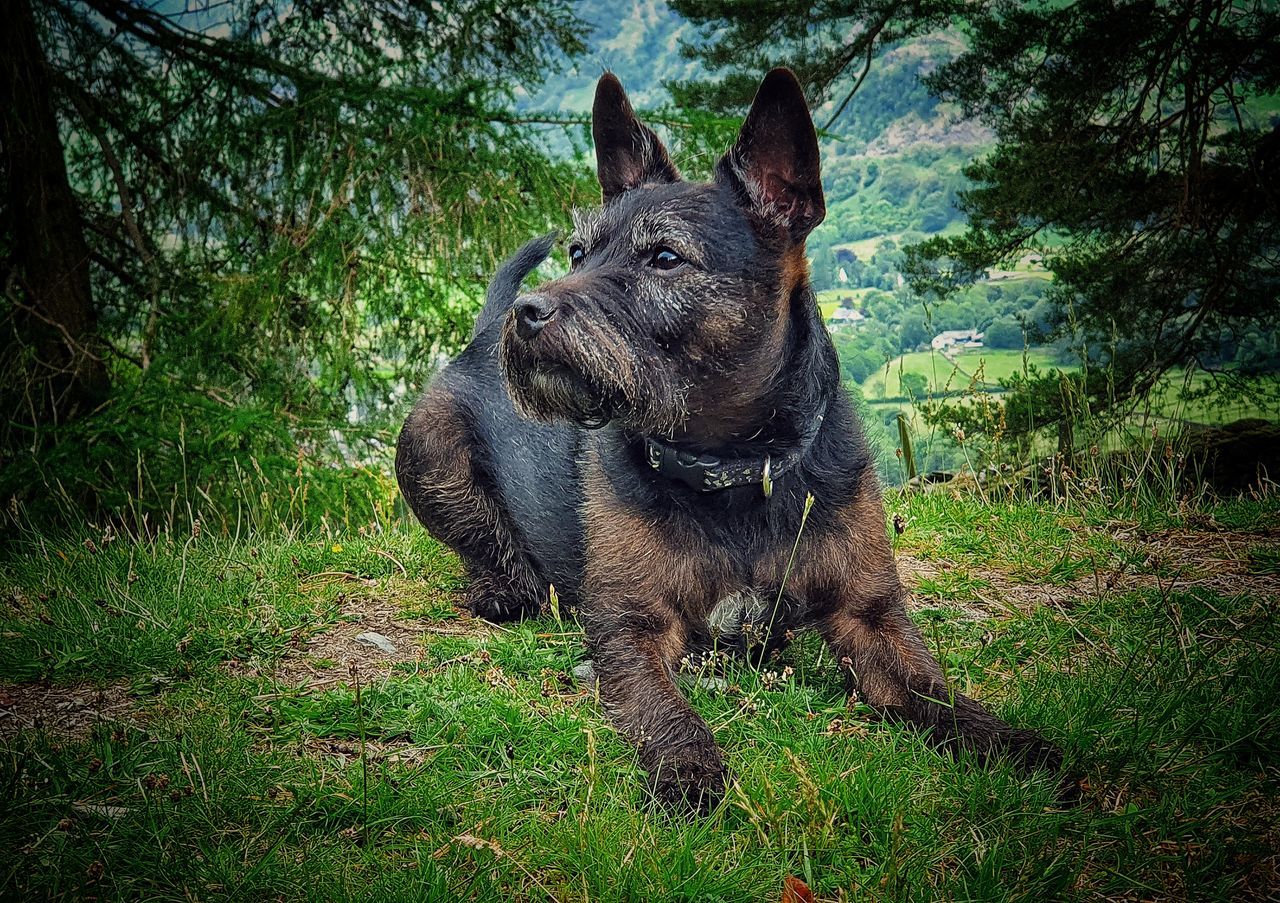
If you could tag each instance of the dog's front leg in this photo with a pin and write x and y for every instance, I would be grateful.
(636, 653)
(857, 602)
(891, 666)
(645, 584)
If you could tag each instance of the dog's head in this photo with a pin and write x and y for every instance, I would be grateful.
(675, 304)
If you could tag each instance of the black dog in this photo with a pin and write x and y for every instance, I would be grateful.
(682, 410)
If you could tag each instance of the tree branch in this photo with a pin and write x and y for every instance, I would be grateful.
(866, 67)
(131, 225)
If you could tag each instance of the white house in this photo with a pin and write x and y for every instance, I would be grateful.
(957, 338)
(845, 316)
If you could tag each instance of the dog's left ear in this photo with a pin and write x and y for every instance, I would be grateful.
(628, 152)
(774, 163)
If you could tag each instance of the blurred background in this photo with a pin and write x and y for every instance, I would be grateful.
(239, 235)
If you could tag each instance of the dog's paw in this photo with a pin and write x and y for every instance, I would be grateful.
(690, 780)
(489, 599)
(1033, 752)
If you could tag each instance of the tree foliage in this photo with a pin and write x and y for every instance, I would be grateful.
(830, 44)
(1004, 332)
(1136, 155)
(288, 210)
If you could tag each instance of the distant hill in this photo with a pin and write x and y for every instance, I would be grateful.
(638, 41)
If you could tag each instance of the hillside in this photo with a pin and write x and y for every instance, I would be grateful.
(892, 170)
(638, 41)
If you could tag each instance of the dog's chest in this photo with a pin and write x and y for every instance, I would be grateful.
(747, 607)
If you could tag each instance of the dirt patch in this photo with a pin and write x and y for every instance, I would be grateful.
(1206, 547)
(327, 655)
(331, 652)
(1219, 561)
(68, 711)
(1001, 595)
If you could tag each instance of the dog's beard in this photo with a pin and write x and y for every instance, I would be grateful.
(558, 392)
(591, 376)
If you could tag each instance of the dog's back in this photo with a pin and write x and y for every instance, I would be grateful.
(465, 421)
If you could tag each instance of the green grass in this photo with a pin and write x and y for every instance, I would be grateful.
(1027, 267)
(977, 372)
(830, 298)
(490, 775)
(866, 248)
(982, 368)
(1166, 400)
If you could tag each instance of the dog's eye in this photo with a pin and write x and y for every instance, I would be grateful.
(576, 254)
(665, 259)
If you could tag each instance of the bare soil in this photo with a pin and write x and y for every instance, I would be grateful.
(70, 711)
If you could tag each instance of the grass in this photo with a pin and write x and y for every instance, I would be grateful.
(830, 300)
(866, 248)
(983, 368)
(833, 297)
(1166, 399)
(986, 366)
(232, 766)
(1166, 408)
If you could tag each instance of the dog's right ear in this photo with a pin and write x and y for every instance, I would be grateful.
(628, 153)
(774, 166)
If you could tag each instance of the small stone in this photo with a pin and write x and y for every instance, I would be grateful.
(101, 811)
(715, 684)
(585, 672)
(378, 641)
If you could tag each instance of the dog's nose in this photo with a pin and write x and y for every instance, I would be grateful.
(533, 312)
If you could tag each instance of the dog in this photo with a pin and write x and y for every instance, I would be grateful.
(662, 432)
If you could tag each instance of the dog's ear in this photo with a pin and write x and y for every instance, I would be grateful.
(774, 166)
(628, 153)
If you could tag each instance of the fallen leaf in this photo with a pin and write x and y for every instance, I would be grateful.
(795, 891)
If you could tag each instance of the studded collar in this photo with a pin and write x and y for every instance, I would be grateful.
(708, 473)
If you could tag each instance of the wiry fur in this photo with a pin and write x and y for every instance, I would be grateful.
(724, 354)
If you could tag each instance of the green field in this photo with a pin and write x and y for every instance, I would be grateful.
(981, 368)
(830, 298)
(1166, 401)
(190, 717)
(866, 248)
(1029, 266)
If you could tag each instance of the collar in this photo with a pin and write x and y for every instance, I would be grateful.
(708, 473)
